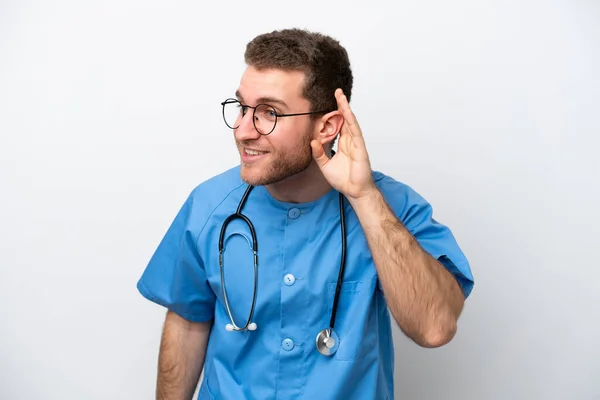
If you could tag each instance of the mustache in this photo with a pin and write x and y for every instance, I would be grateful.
(250, 144)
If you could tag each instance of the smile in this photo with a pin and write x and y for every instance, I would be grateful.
(254, 152)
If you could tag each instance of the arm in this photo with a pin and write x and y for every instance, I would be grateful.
(181, 357)
(423, 297)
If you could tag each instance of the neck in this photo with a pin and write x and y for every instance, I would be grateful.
(308, 185)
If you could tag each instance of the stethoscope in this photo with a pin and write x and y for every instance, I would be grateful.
(327, 340)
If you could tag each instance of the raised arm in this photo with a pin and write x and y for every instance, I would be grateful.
(181, 357)
(423, 297)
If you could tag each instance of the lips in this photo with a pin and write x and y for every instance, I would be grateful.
(251, 155)
(251, 152)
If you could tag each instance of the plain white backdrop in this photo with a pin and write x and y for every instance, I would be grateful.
(110, 115)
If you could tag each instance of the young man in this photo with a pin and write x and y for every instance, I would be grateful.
(328, 244)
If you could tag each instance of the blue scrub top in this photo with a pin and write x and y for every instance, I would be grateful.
(299, 250)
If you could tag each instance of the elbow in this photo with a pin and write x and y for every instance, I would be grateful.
(439, 334)
(442, 328)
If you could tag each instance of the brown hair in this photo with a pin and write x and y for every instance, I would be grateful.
(323, 60)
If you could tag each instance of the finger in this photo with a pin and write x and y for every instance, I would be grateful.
(349, 118)
(352, 132)
(318, 153)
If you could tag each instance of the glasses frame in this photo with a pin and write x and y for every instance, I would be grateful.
(245, 107)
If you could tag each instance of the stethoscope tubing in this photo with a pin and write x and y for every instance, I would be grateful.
(338, 285)
(239, 215)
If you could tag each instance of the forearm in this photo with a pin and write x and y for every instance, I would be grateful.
(181, 357)
(423, 297)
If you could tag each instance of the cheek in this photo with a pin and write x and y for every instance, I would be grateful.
(288, 149)
(290, 140)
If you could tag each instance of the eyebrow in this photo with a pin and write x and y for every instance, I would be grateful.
(267, 100)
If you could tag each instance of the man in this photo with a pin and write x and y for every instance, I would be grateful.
(292, 103)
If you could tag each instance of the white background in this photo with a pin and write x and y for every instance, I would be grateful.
(109, 116)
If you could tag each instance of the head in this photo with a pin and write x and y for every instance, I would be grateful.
(295, 72)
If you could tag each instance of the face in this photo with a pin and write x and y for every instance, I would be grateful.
(286, 150)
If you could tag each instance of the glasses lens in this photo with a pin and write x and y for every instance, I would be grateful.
(265, 118)
(232, 113)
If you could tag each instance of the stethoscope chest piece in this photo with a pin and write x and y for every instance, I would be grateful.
(327, 342)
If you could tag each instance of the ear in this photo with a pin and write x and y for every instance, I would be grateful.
(329, 127)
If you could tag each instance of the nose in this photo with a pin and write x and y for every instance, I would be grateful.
(246, 130)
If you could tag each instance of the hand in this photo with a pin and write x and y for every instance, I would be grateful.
(349, 170)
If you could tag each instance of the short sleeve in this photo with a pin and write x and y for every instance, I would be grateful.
(437, 239)
(175, 276)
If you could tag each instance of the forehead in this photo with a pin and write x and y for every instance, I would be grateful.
(272, 83)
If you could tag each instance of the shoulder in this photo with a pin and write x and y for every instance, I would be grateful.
(399, 195)
(208, 195)
(387, 183)
(213, 190)
(407, 204)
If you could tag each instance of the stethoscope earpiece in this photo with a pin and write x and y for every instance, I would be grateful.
(251, 327)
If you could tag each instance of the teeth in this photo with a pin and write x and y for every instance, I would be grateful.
(254, 153)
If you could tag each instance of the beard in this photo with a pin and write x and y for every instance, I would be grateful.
(279, 166)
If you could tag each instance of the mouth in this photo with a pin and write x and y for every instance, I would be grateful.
(249, 155)
(251, 152)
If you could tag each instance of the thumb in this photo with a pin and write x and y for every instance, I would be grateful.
(318, 153)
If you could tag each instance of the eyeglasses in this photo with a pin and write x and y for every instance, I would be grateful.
(264, 116)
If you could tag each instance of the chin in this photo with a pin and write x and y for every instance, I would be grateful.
(260, 177)
(254, 176)
(261, 174)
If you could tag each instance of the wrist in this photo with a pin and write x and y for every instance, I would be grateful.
(367, 201)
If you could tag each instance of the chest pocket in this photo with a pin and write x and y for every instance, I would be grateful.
(356, 318)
